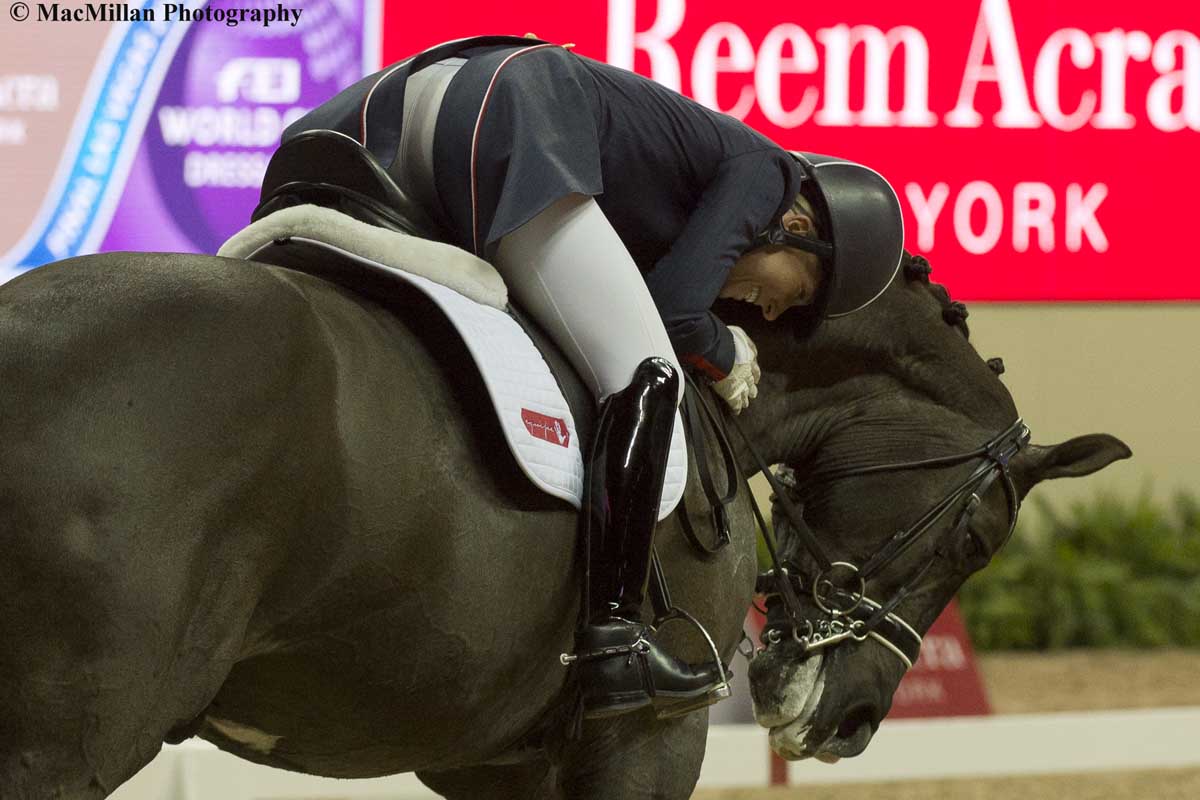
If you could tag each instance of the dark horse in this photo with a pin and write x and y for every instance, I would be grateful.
(239, 502)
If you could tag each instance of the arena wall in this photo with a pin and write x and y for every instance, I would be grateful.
(1132, 370)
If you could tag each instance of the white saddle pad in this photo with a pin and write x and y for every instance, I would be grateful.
(532, 410)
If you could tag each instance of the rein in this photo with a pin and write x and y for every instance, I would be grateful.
(839, 587)
(696, 410)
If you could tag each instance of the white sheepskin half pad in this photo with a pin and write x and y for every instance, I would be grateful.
(446, 264)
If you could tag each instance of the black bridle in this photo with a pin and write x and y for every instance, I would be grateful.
(839, 587)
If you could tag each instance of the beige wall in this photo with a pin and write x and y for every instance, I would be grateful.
(1132, 370)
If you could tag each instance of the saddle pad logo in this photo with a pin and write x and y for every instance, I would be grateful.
(551, 429)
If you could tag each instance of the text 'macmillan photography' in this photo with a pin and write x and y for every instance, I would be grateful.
(168, 12)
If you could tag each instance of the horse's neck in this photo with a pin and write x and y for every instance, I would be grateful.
(793, 426)
(901, 379)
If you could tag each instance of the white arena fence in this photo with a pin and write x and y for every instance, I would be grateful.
(1018, 744)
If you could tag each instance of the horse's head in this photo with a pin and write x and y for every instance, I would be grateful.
(910, 466)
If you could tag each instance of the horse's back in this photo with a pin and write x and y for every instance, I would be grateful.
(159, 380)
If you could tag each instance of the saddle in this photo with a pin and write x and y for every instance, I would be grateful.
(329, 210)
(331, 170)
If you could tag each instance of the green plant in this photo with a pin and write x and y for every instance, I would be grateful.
(1107, 573)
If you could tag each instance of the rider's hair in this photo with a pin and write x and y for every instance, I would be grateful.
(804, 319)
(802, 205)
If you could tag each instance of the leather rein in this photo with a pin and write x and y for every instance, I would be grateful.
(838, 588)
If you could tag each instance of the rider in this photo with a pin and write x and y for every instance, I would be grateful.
(618, 211)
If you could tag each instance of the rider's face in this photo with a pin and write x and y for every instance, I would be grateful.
(775, 278)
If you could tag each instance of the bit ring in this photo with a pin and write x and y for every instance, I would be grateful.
(824, 579)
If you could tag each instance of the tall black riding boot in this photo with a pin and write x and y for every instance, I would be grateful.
(620, 666)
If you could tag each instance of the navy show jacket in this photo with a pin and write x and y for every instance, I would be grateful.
(526, 123)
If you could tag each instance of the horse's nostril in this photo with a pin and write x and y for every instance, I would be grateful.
(856, 719)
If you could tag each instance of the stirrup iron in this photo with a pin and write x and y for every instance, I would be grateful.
(714, 695)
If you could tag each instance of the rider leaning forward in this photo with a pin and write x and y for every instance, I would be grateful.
(618, 211)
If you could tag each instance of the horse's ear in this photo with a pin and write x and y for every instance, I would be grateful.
(1074, 458)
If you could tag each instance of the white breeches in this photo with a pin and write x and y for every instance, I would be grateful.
(570, 271)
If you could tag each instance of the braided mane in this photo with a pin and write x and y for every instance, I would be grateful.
(917, 268)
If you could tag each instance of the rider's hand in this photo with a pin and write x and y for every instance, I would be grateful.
(740, 386)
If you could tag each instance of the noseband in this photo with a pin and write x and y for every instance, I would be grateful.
(839, 587)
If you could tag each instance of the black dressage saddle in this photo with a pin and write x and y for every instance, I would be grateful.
(327, 168)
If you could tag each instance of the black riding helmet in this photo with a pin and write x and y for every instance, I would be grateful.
(861, 228)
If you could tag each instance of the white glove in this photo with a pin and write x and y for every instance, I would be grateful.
(740, 386)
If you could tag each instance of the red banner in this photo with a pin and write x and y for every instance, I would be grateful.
(1041, 151)
(945, 681)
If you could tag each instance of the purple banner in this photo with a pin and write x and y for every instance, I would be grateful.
(151, 129)
(229, 93)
